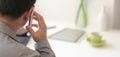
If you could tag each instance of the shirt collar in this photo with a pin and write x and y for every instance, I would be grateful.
(6, 30)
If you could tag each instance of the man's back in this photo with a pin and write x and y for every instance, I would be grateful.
(10, 47)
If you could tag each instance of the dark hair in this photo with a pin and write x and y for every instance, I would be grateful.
(15, 8)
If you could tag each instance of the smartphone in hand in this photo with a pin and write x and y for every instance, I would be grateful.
(31, 18)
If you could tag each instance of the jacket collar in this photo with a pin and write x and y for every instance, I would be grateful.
(6, 30)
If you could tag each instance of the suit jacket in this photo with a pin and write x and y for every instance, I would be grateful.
(10, 46)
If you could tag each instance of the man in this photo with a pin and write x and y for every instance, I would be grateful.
(13, 15)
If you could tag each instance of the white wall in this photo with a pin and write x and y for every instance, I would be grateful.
(94, 7)
(66, 10)
(58, 10)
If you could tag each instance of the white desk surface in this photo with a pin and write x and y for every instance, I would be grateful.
(83, 49)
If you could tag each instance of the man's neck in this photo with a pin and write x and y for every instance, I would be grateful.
(10, 24)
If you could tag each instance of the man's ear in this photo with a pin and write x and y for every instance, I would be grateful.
(28, 13)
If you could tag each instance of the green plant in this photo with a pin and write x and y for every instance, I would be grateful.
(83, 10)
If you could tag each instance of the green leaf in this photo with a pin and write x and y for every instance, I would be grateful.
(85, 17)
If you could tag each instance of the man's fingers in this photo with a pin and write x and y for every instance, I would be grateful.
(30, 30)
(35, 25)
(40, 20)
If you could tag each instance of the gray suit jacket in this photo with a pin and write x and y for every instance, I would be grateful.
(10, 47)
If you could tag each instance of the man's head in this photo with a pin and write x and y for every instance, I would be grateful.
(15, 13)
(15, 8)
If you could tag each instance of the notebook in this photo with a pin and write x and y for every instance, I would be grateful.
(68, 34)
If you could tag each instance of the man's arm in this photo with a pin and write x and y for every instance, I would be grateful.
(40, 37)
(44, 49)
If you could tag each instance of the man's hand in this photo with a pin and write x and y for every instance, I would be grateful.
(41, 33)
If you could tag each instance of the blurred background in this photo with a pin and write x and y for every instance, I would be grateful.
(64, 11)
(86, 16)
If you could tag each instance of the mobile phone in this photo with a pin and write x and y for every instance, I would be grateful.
(31, 18)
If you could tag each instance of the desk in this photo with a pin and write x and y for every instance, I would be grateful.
(83, 49)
